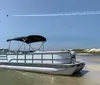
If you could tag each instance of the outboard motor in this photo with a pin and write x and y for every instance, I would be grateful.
(73, 56)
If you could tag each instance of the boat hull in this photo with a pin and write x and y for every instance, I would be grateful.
(59, 69)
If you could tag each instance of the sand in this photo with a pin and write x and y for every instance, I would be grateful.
(95, 59)
(90, 75)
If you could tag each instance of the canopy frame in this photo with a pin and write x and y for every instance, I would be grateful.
(28, 40)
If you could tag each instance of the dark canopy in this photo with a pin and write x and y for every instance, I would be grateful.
(29, 39)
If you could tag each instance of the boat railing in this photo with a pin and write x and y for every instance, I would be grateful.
(37, 57)
(41, 59)
(3, 57)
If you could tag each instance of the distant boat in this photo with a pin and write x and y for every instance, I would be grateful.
(52, 62)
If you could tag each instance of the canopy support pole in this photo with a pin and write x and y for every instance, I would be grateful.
(20, 46)
(31, 46)
(9, 45)
(41, 46)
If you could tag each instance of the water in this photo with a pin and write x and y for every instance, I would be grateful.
(90, 75)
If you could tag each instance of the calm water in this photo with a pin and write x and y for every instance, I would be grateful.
(90, 75)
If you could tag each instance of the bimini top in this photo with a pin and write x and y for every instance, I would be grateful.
(29, 39)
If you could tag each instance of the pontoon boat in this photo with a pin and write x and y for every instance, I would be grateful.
(52, 62)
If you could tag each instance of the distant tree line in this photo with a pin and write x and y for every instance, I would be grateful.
(79, 50)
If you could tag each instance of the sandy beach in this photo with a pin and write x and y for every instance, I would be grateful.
(90, 75)
(95, 59)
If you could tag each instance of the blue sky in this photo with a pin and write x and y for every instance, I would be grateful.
(62, 32)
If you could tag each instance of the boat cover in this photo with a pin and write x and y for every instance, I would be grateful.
(29, 39)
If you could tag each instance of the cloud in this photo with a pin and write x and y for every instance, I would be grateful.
(62, 14)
